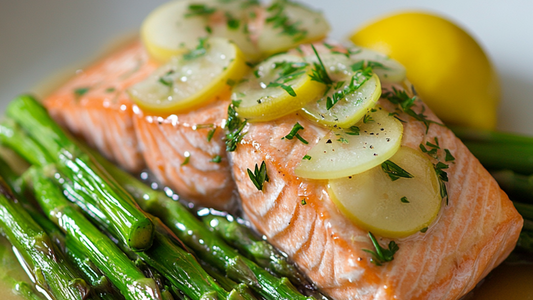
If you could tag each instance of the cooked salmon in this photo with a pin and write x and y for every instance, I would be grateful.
(472, 234)
(187, 153)
(95, 106)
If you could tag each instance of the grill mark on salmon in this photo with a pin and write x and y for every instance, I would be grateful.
(471, 235)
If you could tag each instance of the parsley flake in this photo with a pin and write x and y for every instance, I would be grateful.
(200, 50)
(404, 200)
(449, 156)
(259, 176)
(81, 91)
(210, 134)
(406, 103)
(279, 19)
(353, 130)
(394, 171)
(306, 157)
(381, 255)
(217, 159)
(304, 202)
(235, 126)
(199, 10)
(443, 178)
(294, 133)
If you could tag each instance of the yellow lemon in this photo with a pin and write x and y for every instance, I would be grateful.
(447, 67)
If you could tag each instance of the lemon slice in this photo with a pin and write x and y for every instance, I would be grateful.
(289, 24)
(192, 79)
(357, 149)
(392, 209)
(387, 69)
(277, 87)
(357, 93)
(174, 27)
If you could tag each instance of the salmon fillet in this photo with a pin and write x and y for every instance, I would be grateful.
(472, 234)
(180, 154)
(94, 104)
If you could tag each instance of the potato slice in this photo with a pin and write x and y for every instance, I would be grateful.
(289, 24)
(387, 69)
(360, 92)
(276, 87)
(192, 79)
(388, 208)
(354, 150)
(174, 27)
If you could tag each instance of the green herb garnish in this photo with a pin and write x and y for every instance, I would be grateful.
(294, 133)
(166, 79)
(288, 71)
(259, 176)
(235, 126)
(449, 156)
(381, 255)
(187, 159)
(199, 10)
(304, 202)
(279, 19)
(81, 91)
(443, 178)
(306, 157)
(200, 50)
(319, 73)
(394, 171)
(210, 134)
(232, 23)
(353, 130)
(217, 159)
(406, 103)
(404, 200)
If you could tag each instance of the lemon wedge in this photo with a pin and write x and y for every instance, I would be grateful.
(289, 24)
(354, 150)
(191, 79)
(278, 86)
(351, 96)
(468, 97)
(388, 208)
(174, 27)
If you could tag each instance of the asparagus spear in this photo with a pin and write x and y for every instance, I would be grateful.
(207, 245)
(490, 136)
(36, 251)
(496, 156)
(192, 278)
(99, 248)
(517, 186)
(24, 290)
(131, 225)
(260, 251)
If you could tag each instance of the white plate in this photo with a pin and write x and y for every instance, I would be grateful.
(38, 38)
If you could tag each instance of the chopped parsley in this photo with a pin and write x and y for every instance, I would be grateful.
(304, 202)
(394, 171)
(110, 90)
(230, 82)
(423, 230)
(306, 157)
(187, 159)
(232, 22)
(235, 126)
(208, 29)
(217, 159)
(288, 71)
(367, 118)
(443, 178)
(294, 133)
(166, 79)
(210, 134)
(404, 200)
(199, 10)
(449, 156)
(381, 255)
(358, 79)
(259, 176)
(81, 91)
(319, 73)
(353, 130)
(279, 19)
(200, 50)
(406, 103)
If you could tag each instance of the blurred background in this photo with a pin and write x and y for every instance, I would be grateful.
(39, 38)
